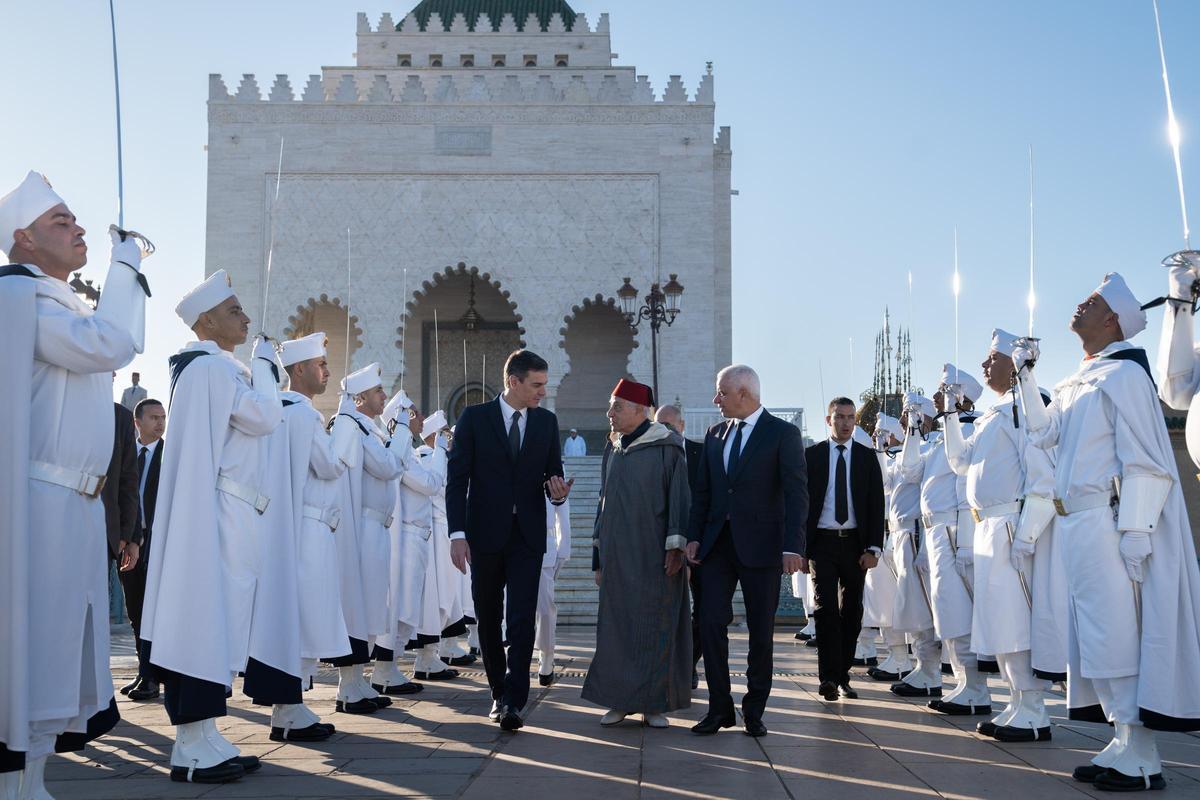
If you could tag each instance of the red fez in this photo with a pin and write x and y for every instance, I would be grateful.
(634, 392)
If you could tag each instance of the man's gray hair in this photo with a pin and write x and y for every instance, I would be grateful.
(742, 377)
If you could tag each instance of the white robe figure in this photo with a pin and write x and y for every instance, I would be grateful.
(913, 611)
(558, 551)
(879, 604)
(57, 406)
(1142, 673)
(949, 586)
(416, 606)
(1000, 471)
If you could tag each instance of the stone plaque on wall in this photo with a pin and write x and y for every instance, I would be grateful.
(463, 140)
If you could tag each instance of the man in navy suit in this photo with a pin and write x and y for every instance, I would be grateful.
(506, 459)
(748, 521)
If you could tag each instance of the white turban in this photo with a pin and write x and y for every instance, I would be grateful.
(205, 297)
(1003, 342)
(303, 349)
(970, 387)
(23, 205)
(366, 378)
(1120, 299)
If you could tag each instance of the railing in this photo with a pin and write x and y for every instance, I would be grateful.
(699, 420)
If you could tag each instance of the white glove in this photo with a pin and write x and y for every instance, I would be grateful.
(441, 441)
(1135, 549)
(127, 252)
(1179, 283)
(964, 561)
(1026, 354)
(264, 348)
(1020, 554)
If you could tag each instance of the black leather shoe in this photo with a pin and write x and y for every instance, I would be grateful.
(380, 702)
(695, 679)
(713, 723)
(989, 729)
(873, 661)
(959, 709)
(1112, 781)
(510, 720)
(221, 773)
(398, 688)
(547, 680)
(247, 763)
(475, 651)
(908, 690)
(846, 692)
(804, 637)
(1088, 773)
(357, 707)
(754, 727)
(828, 690)
(497, 710)
(146, 690)
(876, 674)
(463, 661)
(811, 642)
(133, 684)
(313, 733)
(440, 675)
(1007, 733)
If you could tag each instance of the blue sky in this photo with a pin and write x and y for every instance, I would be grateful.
(863, 133)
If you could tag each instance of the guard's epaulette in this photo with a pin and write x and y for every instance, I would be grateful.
(19, 270)
(361, 427)
(287, 403)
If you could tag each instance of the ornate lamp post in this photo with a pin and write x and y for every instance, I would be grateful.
(661, 305)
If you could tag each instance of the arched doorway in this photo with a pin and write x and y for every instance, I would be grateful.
(458, 361)
(323, 314)
(598, 342)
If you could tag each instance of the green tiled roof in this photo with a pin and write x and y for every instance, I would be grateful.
(495, 9)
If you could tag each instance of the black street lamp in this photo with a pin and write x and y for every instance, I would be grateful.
(661, 305)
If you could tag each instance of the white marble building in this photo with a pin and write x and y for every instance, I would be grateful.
(498, 163)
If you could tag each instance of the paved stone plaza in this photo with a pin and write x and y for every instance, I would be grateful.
(441, 745)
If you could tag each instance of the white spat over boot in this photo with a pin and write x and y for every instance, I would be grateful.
(10, 785)
(33, 785)
(1137, 766)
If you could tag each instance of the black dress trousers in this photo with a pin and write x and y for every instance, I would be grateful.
(838, 582)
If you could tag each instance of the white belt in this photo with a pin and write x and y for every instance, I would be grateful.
(76, 481)
(1073, 505)
(940, 518)
(329, 516)
(424, 533)
(242, 492)
(1003, 509)
(384, 518)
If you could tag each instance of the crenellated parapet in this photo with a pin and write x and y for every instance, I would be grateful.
(616, 87)
(481, 23)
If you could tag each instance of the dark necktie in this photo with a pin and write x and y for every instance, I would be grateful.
(141, 462)
(514, 436)
(841, 503)
(735, 452)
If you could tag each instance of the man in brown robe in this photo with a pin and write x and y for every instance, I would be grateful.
(643, 634)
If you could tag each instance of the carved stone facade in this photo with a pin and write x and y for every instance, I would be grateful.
(405, 184)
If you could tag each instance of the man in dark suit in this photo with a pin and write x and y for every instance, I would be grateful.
(845, 536)
(150, 419)
(506, 459)
(748, 519)
(672, 417)
(120, 496)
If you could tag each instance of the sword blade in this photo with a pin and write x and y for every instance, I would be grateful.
(112, 16)
(1172, 130)
(1020, 575)
(271, 246)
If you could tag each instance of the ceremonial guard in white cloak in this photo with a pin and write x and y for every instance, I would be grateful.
(57, 406)
(417, 604)
(949, 559)
(913, 612)
(558, 551)
(449, 579)
(879, 595)
(1134, 612)
(369, 496)
(210, 573)
(1003, 474)
(306, 503)
(866, 652)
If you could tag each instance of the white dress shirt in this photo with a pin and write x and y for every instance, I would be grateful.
(827, 520)
(747, 428)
